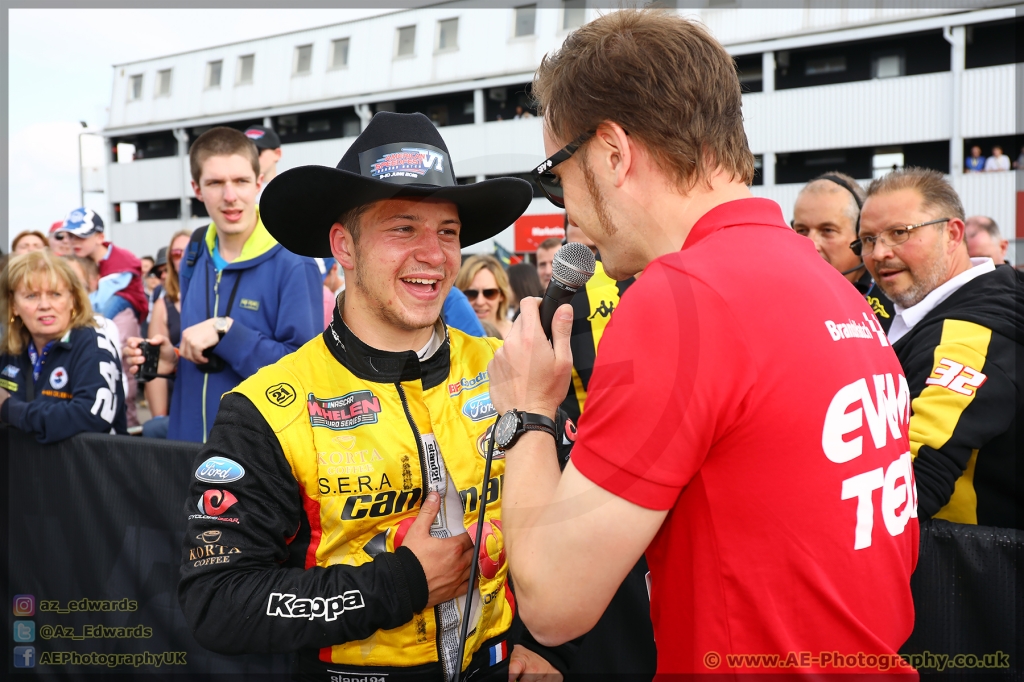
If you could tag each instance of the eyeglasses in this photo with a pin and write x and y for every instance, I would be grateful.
(489, 294)
(177, 253)
(548, 181)
(59, 236)
(894, 236)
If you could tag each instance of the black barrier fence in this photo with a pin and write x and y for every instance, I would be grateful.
(94, 536)
(95, 530)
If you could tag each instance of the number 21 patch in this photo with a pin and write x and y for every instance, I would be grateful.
(956, 377)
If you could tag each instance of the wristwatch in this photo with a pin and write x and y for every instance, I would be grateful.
(220, 325)
(514, 424)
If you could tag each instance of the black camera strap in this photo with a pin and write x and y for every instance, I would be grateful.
(231, 298)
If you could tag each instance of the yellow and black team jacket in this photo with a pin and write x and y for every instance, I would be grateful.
(876, 298)
(962, 362)
(591, 309)
(313, 472)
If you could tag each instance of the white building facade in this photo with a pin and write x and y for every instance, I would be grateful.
(851, 89)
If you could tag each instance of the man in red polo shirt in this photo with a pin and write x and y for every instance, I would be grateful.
(758, 457)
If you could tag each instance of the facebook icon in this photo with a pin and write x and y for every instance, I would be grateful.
(24, 657)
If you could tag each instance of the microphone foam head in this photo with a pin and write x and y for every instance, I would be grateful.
(573, 264)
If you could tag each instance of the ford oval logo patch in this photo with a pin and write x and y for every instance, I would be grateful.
(219, 470)
(479, 407)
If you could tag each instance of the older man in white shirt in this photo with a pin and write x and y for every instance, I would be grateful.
(957, 332)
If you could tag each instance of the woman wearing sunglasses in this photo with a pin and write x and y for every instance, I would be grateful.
(485, 284)
(165, 321)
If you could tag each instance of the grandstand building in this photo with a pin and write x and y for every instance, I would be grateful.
(855, 89)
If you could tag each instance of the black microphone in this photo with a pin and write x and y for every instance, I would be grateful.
(571, 268)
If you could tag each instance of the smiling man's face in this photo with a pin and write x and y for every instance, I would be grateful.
(405, 260)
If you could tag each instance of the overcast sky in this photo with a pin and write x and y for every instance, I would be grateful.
(60, 73)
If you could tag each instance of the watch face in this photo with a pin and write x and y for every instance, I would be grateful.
(506, 429)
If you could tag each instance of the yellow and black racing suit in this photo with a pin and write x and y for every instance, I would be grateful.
(312, 474)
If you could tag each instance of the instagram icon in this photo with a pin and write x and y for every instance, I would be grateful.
(24, 605)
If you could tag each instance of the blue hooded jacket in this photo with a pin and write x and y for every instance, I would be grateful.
(276, 304)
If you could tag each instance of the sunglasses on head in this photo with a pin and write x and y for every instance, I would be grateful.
(489, 294)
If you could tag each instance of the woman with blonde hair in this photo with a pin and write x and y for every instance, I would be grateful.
(58, 375)
(485, 284)
(166, 322)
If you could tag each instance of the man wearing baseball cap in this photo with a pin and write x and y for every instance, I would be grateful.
(344, 481)
(120, 296)
(269, 146)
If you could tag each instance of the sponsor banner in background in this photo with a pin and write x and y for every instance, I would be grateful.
(531, 230)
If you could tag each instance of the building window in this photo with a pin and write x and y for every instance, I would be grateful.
(884, 163)
(213, 71)
(888, 66)
(339, 53)
(303, 59)
(406, 41)
(163, 83)
(135, 88)
(448, 34)
(819, 67)
(526, 20)
(245, 67)
(574, 14)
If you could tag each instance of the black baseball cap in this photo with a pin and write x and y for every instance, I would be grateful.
(262, 137)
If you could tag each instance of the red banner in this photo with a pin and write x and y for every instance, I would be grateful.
(531, 230)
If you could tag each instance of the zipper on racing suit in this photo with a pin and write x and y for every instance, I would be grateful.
(445, 673)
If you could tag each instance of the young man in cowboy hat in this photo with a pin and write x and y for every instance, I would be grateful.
(339, 487)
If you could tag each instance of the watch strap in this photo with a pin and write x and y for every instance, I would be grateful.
(537, 422)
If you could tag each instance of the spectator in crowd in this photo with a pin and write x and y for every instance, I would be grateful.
(120, 296)
(327, 295)
(958, 333)
(998, 161)
(245, 301)
(485, 284)
(457, 312)
(749, 549)
(523, 280)
(59, 242)
(573, 233)
(545, 254)
(975, 163)
(147, 276)
(984, 239)
(269, 146)
(418, 388)
(165, 322)
(522, 113)
(827, 211)
(88, 274)
(29, 240)
(1019, 163)
(60, 377)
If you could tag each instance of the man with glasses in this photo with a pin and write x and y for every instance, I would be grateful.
(718, 435)
(957, 332)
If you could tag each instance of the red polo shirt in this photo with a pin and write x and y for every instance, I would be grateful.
(769, 415)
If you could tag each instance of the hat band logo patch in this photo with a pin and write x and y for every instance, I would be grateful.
(410, 162)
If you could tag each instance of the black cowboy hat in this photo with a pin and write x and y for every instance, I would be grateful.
(398, 155)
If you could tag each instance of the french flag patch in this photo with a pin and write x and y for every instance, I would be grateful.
(498, 653)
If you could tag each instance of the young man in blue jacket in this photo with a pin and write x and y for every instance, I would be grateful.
(246, 301)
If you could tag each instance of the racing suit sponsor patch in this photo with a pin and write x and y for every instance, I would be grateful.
(289, 606)
(344, 412)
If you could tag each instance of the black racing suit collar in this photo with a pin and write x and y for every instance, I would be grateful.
(386, 367)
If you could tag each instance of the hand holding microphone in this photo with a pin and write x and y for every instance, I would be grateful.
(531, 371)
(571, 269)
